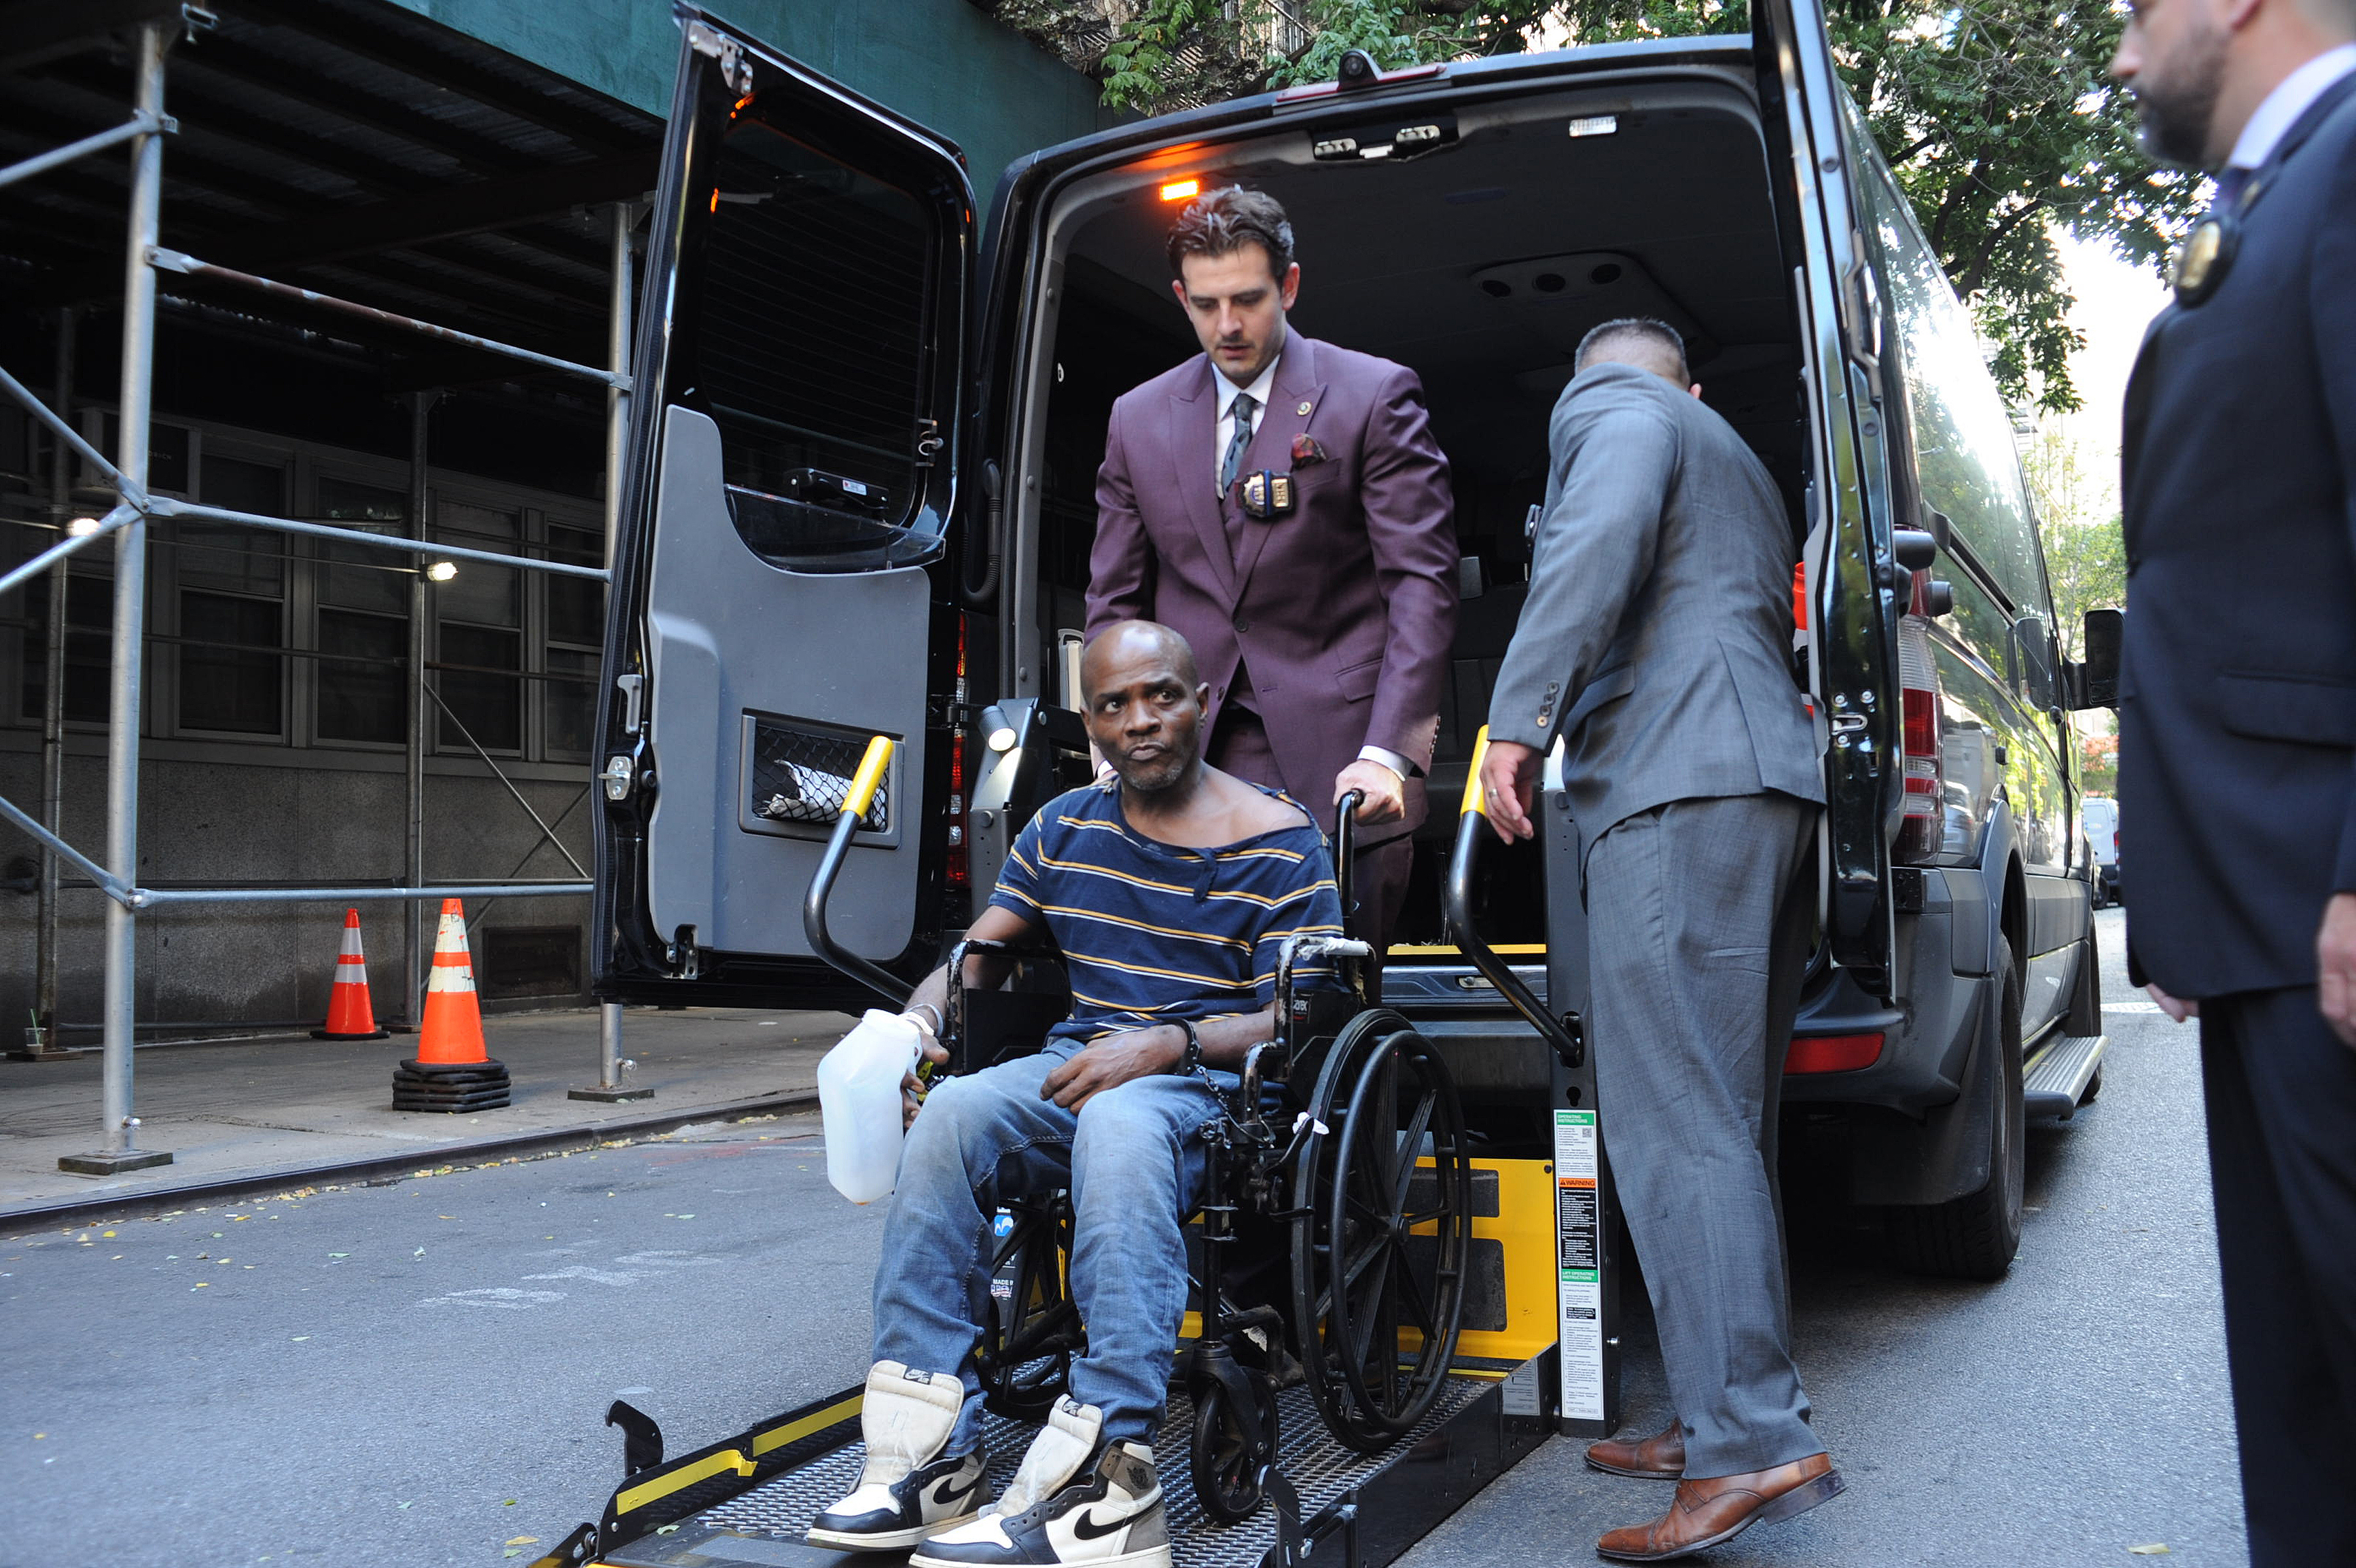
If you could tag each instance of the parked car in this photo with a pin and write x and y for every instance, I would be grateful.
(859, 499)
(2100, 817)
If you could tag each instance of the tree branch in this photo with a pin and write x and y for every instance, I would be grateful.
(1975, 275)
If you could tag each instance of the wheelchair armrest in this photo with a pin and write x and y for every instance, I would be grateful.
(981, 1028)
(1297, 1014)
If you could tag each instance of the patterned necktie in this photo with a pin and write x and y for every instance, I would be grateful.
(1245, 405)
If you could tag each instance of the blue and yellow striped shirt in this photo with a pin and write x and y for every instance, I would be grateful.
(1153, 933)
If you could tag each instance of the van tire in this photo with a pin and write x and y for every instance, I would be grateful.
(1974, 1237)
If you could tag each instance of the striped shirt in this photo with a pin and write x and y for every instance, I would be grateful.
(1151, 932)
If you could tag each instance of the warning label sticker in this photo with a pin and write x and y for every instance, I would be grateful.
(1579, 1262)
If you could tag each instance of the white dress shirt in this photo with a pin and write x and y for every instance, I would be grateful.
(1223, 430)
(2288, 101)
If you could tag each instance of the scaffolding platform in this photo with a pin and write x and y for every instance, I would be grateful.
(745, 1502)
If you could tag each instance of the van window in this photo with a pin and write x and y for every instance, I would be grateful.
(806, 349)
(1964, 460)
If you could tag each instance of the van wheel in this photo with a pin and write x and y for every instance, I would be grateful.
(1974, 1237)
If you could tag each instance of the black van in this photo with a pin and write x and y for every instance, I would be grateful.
(858, 499)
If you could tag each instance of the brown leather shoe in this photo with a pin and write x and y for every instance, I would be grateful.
(1660, 1457)
(1719, 1508)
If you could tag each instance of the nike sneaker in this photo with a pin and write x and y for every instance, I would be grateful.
(907, 1491)
(1076, 1500)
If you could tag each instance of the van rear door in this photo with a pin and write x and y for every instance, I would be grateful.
(783, 519)
(1852, 609)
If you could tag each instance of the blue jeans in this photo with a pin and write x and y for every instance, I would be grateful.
(1133, 1158)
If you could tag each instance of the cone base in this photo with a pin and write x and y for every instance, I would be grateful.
(368, 1034)
(496, 1102)
(450, 1086)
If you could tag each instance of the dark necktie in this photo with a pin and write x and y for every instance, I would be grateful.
(1244, 404)
(2230, 183)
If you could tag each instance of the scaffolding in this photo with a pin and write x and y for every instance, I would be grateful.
(125, 524)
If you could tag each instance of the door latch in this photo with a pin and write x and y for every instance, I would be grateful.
(618, 777)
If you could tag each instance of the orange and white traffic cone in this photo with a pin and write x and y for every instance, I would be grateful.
(453, 1071)
(349, 1017)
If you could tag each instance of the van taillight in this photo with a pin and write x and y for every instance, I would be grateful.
(959, 878)
(1918, 682)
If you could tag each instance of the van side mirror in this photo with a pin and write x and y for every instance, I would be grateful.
(2097, 675)
(2032, 643)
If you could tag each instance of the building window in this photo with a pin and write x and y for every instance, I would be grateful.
(478, 620)
(363, 619)
(576, 636)
(90, 612)
(233, 603)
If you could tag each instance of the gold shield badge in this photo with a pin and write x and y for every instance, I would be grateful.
(2202, 265)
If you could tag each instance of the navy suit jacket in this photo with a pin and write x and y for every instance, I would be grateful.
(2237, 752)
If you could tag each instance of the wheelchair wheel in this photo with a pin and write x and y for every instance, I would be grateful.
(1033, 1328)
(1380, 1242)
(1226, 1464)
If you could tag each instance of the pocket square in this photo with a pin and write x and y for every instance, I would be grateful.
(1306, 451)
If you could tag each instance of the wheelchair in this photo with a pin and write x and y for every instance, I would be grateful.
(1331, 1244)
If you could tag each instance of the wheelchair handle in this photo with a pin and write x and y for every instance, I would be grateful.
(1471, 829)
(1345, 845)
(863, 785)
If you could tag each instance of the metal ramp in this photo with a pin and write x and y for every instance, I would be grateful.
(1327, 1505)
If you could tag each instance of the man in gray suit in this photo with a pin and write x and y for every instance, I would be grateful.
(1656, 645)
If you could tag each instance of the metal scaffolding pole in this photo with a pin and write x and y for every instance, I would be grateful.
(611, 1066)
(412, 926)
(119, 1150)
(43, 1042)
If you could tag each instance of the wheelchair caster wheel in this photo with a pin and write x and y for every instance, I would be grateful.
(1226, 1463)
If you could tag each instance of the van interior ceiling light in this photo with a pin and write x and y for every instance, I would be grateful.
(441, 571)
(1180, 189)
(82, 527)
(1595, 125)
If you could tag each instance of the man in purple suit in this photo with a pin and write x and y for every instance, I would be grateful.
(1280, 503)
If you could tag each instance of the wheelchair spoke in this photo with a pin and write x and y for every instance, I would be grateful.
(1409, 1143)
(1412, 1292)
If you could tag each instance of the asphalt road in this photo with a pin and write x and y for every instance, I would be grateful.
(415, 1374)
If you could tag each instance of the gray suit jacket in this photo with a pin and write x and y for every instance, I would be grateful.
(1658, 633)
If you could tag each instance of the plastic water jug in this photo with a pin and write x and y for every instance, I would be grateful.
(859, 1098)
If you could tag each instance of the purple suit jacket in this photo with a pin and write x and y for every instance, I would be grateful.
(1343, 609)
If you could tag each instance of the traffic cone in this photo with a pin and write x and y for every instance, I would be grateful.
(349, 1017)
(453, 1071)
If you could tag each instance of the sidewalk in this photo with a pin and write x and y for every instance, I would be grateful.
(258, 1106)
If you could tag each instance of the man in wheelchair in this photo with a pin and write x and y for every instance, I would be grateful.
(1170, 891)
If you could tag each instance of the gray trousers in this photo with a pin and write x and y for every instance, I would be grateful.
(1681, 906)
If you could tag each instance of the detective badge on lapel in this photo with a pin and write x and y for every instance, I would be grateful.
(1266, 495)
(2206, 258)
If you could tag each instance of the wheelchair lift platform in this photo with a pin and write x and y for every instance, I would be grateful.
(745, 1503)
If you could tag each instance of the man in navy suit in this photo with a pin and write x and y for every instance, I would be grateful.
(2238, 706)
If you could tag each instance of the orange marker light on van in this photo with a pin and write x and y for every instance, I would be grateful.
(1179, 189)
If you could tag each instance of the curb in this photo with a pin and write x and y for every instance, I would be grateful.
(388, 1168)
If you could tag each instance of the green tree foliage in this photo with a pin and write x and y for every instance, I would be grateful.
(1998, 115)
(2087, 563)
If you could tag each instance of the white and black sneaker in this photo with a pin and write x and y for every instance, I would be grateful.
(907, 1491)
(1078, 1499)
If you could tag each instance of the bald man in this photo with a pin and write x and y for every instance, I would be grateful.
(1169, 890)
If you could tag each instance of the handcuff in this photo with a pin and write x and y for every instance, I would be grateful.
(1190, 1061)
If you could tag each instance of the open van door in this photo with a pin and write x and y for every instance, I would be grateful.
(1851, 573)
(783, 521)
